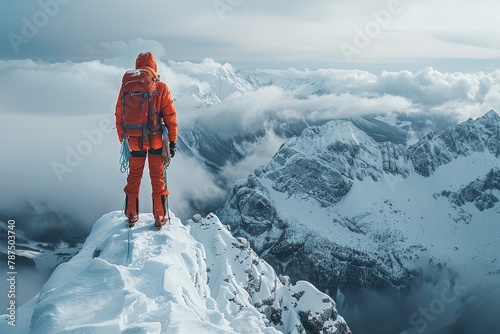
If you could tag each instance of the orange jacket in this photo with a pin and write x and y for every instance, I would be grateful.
(164, 103)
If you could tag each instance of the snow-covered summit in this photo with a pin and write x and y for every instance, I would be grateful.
(435, 149)
(226, 80)
(324, 161)
(196, 278)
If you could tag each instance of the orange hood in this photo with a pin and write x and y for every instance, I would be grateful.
(146, 60)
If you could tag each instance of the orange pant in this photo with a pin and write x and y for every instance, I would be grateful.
(160, 191)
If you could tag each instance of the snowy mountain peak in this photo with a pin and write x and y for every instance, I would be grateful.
(228, 69)
(196, 278)
(461, 140)
(323, 161)
(226, 80)
(491, 115)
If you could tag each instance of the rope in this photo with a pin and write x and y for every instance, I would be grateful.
(128, 248)
(124, 167)
(124, 156)
(166, 186)
(167, 158)
(124, 205)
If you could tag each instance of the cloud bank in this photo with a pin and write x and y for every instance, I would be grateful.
(62, 147)
(463, 95)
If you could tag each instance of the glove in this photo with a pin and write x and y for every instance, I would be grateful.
(173, 147)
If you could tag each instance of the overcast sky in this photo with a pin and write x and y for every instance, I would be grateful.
(462, 35)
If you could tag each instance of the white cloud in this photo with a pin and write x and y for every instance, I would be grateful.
(258, 153)
(190, 68)
(192, 186)
(425, 90)
(50, 109)
(133, 47)
(60, 88)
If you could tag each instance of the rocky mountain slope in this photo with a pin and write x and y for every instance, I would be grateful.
(348, 213)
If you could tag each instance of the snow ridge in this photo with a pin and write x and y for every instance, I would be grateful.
(196, 278)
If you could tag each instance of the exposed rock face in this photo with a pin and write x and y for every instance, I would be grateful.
(296, 308)
(304, 254)
(437, 149)
(477, 192)
(321, 165)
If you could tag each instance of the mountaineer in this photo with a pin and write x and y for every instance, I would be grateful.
(146, 123)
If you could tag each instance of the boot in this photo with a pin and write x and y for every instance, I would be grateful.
(159, 222)
(159, 205)
(132, 209)
(159, 210)
(132, 219)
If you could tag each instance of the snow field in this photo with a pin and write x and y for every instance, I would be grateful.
(196, 278)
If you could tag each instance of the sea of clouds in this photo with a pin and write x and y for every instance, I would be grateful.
(61, 148)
